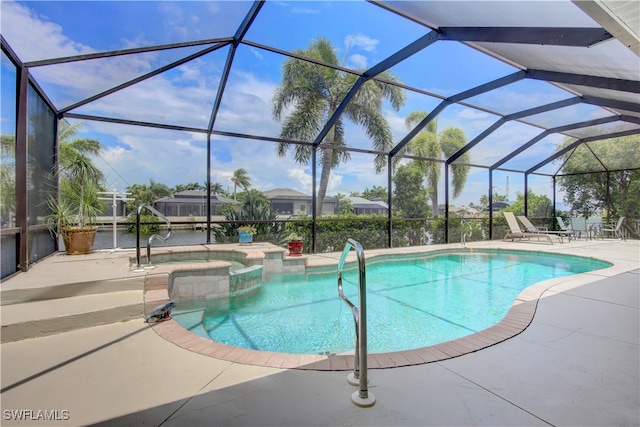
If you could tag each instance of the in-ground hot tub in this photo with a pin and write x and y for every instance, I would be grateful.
(217, 271)
(199, 275)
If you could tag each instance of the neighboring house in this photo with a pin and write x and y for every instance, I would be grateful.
(452, 210)
(287, 201)
(467, 211)
(497, 207)
(362, 206)
(190, 202)
(121, 208)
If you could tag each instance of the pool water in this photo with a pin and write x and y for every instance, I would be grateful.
(412, 302)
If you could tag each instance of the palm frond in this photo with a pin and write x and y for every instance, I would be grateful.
(394, 94)
(415, 117)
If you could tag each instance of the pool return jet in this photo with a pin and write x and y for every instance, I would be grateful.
(358, 377)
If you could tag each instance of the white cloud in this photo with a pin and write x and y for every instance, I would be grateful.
(357, 61)
(304, 10)
(141, 154)
(396, 123)
(191, 72)
(300, 180)
(257, 53)
(33, 37)
(158, 100)
(471, 114)
(360, 41)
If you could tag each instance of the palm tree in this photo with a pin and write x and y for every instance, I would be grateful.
(427, 143)
(216, 188)
(240, 178)
(255, 207)
(376, 191)
(158, 190)
(7, 176)
(80, 178)
(73, 211)
(315, 92)
(146, 193)
(192, 186)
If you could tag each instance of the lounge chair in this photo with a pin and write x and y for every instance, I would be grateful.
(517, 233)
(530, 228)
(617, 230)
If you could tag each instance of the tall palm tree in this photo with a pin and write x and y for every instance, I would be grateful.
(314, 92)
(240, 178)
(429, 144)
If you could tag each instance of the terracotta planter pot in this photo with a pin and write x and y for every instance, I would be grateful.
(78, 241)
(295, 247)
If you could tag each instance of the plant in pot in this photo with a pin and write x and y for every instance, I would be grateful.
(296, 244)
(245, 233)
(77, 205)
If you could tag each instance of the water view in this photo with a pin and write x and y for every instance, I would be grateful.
(124, 239)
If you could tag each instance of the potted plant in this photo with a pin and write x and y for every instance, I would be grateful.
(295, 244)
(245, 233)
(74, 210)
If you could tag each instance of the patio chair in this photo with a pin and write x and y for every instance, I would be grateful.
(579, 226)
(517, 233)
(530, 228)
(564, 227)
(617, 230)
(594, 227)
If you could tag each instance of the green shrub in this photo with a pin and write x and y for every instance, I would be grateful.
(145, 229)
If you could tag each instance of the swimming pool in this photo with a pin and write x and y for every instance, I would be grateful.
(413, 302)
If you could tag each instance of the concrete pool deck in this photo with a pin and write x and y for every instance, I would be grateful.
(576, 364)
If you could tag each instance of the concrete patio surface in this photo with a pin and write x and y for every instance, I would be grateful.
(578, 363)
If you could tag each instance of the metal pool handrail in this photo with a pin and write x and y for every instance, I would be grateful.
(463, 234)
(362, 397)
(154, 236)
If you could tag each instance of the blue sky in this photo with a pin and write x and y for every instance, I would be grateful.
(362, 33)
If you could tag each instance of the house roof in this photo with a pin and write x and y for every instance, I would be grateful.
(283, 193)
(362, 203)
(468, 210)
(289, 193)
(195, 196)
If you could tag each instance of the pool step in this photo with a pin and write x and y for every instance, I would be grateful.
(48, 317)
(66, 290)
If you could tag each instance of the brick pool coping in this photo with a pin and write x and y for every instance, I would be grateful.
(517, 320)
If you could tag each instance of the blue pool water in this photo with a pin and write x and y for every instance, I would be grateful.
(412, 302)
